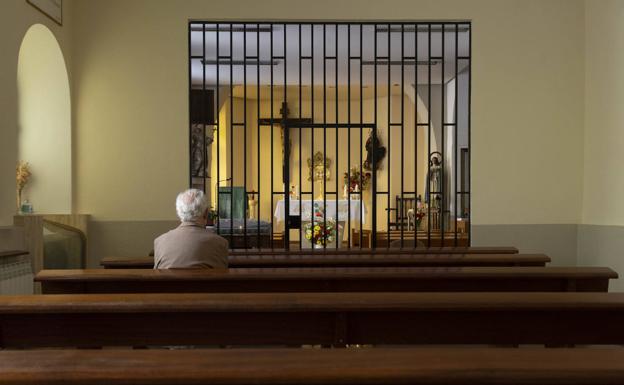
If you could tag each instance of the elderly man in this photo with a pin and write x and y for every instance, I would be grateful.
(190, 245)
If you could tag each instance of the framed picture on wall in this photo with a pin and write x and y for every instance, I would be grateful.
(51, 8)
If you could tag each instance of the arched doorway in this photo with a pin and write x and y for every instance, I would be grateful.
(44, 119)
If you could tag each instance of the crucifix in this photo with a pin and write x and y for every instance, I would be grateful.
(284, 121)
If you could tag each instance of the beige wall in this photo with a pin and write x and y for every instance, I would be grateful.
(603, 192)
(45, 121)
(16, 17)
(130, 77)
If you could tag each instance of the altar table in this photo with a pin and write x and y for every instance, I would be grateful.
(304, 207)
(340, 211)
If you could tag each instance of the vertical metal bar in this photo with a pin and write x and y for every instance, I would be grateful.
(258, 177)
(324, 130)
(373, 138)
(300, 152)
(430, 198)
(190, 93)
(217, 198)
(271, 126)
(455, 139)
(402, 129)
(389, 155)
(360, 165)
(312, 131)
(415, 132)
(442, 147)
(286, 160)
(469, 227)
(338, 241)
(203, 110)
(348, 135)
(245, 131)
(231, 137)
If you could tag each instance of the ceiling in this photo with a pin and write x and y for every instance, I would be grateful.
(329, 41)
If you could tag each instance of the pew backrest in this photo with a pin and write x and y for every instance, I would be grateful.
(375, 279)
(381, 366)
(311, 318)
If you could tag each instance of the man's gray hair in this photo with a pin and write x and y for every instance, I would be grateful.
(191, 205)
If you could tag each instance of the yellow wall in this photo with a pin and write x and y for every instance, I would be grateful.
(45, 121)
(130, 77)
(603, 192)
(16, 17)
(337, 160)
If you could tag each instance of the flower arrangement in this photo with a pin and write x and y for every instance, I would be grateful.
(320, 231)
(353, 178)
(22, 175)
(212, 216)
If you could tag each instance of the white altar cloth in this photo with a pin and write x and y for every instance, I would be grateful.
(305, 209)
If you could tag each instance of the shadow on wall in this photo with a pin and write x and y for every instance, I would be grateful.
(44, 121)
(123, 238)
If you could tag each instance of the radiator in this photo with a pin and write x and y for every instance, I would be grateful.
(16, 277)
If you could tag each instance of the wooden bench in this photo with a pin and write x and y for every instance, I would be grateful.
(494, 366)
(354, 260)
(375, 279)
(90, 320)
(354, 251)
(388, 260)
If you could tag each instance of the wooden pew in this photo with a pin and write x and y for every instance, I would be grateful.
(354, 260)
(380, 366)
(311, 318)
(376, 279)
(384, 250)
(389, 260)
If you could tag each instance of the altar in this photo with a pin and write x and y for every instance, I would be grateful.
(344, 212)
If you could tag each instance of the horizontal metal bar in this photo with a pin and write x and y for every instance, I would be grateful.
(229, 62)
(355, 58)
(424, 28)
(225, 28)
(384, 23)
(449, 124)
(404, 62)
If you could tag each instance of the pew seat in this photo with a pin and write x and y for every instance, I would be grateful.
(375, 279)
(311, 318)
(494, 366)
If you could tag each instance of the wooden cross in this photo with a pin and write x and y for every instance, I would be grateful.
(284, 121)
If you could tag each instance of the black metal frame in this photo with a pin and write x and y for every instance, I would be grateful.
(386, 62)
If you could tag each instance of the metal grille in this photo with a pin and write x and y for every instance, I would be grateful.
(385, 104)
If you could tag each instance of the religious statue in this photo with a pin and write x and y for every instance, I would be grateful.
(199, 149)
(373, 148)
(318, 168)
(285, 122)
(435, 173)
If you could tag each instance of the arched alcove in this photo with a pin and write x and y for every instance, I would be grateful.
(44, 113)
